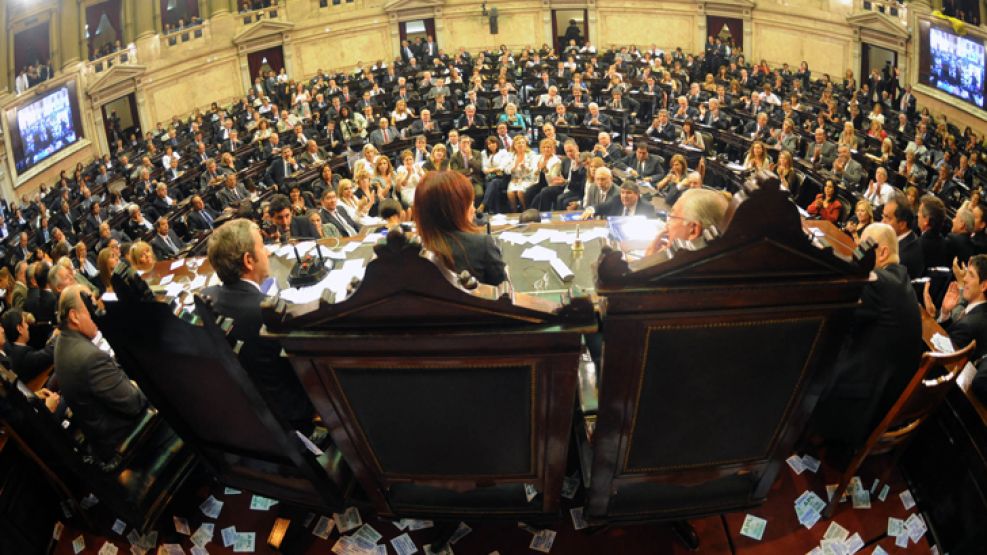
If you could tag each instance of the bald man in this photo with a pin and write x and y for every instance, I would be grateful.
(881, 352)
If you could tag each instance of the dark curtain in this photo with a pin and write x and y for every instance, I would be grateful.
(430, 30)
(275, 59)
(94, 14)
(736, 26)
(31, 46)
(183, 9)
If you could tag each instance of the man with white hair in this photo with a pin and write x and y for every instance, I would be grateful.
(595, 118)
(882, 349)
(959, 242)
(695, 212)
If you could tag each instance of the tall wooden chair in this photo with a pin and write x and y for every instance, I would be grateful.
(190, 373)
(923, 395)
(713, 361)
(444, 401)
(136, 486)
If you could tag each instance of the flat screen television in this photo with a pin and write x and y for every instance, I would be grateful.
(44, 126)
(951, 63)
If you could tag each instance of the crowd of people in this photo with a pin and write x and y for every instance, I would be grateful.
(436, 138)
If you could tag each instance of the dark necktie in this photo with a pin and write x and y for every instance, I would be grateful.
(207, 218)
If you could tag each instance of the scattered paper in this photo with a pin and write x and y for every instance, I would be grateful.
(542, 541)
(539, 254)
(259, 503)
(415, 524)
(530, 492)
(942, 343)
(245, 542)
(403, 545)
(861, 499)
(916, 527)
(88, 501)
(211, 507)
(203, 534)
(56, 533)
(181, 526)
(323, 527)
(753, 527)
(108, 549)
(78, 544)
(795, 463)
(166, 280)
(811, 463)
(348, 520)
(229, 536)
(578, 522)
(177, 264)
(461, 532)
(896, 527)
(368, 533)
(119, 527)
(231, 491)
(836, 532)
(884, 493)
(854, 543)
(907, 500)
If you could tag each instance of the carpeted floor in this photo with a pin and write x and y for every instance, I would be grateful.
(718, 534)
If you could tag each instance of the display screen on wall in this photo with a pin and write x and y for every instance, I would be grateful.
(44, 126)
(952, 63)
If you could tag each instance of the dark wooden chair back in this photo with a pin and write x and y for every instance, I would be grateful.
(445, 402)
(713, 361)
(137, 489)
(920, 399)
(191, 374)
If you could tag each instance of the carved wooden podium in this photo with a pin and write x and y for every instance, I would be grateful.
(445, 402)
(713, 361)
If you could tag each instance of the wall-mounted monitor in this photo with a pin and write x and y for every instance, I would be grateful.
(44, 125)
(951, 63)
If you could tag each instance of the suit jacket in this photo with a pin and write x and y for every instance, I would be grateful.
(306, 159)
(828, 152)
(959, 245)
(161, 206)
(614, 207)
(666, 133)
(934, 249)
(279, 170)
(19, 295)
(648, 168)
(336, 218)
(472, 167)
(162, 250)
(479, 120)
(979, 242)
(28, 362)
(604, 120)
(377, 136)
(105, 403)
(592, 197)
(227, 197)
(972, 325)
(196, 221)
(302, 227)
(910, 253)
(260, 357)
(478, 254)
(879, 357)
(42, 304)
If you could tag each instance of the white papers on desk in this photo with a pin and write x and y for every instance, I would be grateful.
(594, 233)
(818, 232)
(539, 253)
(167, 279)
(173, 289)
(336, 281)
(514, 237)
(502, 219)
(177, 264)
(942, 343)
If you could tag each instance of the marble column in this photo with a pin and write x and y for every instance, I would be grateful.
(70, 35)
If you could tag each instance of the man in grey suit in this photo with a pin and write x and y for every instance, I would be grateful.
(848, 168)
(166, 243)
(107, 405)
(599, 192)
(642, 165)
(232, 191)
(383, 134)
(820, 151)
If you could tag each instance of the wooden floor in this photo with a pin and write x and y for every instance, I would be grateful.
(719, 534)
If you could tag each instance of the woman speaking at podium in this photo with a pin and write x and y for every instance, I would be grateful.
(444, 215)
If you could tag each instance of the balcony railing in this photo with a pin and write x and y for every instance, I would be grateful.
(249, 17)
(126, 55)
(892, 8)
(183, 34)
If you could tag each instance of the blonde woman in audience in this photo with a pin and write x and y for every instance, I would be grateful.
(366, 164)
(848, 136)
(886, 152)
(141, 257)
(522, 167)
(348, 200)
(709, 84)
(863, 216)
(365, 190)
(438, 160)
(401, 112)
(785, 169)
(876, 130)
(407, 179)
(757, 157)
(384, 178)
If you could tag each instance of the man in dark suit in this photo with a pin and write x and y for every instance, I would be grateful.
(106, 404)
(201, 217)
(971, 323)
(137, 226)
(898, 214)
(628, 203)
(25, 361)
(959, 244)
(243, 271)
(166, 243)
(661, 128)
(642, 165)
(289, 227)
(882, 349)
(979, 236)
(407, 51)
(470, 118)
(331, 214)
(384, 134)
(599, 192)
(232, 192)
(281, 169)
(596, 119)
(40, 301)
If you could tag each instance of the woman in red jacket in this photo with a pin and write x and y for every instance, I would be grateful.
(827, 205)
